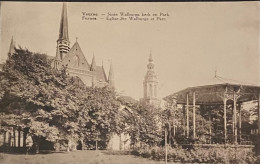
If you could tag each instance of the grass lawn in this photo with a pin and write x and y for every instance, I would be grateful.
(76, 157)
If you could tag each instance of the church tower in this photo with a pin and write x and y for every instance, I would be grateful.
(75, 61)
(150, 85)
(63, 43)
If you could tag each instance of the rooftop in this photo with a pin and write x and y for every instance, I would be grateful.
(215, 90)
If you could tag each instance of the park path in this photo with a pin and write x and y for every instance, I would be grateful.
(76, 157)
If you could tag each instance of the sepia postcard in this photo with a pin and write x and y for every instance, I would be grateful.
(129, 82)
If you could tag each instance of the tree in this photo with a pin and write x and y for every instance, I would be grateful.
(175, 116)
(36, 96)
(141, 123)
(99, 114)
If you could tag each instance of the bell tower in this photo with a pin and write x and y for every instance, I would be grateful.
(150, 85)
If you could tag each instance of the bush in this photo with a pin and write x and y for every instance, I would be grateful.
(146, 153)
(199, 155)
(60, 145)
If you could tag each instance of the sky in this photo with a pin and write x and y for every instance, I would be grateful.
(192, 41)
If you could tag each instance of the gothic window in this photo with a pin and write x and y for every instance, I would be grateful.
(76, 61)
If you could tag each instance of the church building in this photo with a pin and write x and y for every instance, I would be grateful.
(150, 85)
(74, 59)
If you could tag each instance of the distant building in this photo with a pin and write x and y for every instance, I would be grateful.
(150, 85)
(74, 59)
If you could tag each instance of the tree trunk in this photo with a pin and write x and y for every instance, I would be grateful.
(36, 144)
(96, 144)
(4, 137)
(25, 132)
(82, 144)
(37, 148)
(24, 139)
(14, 135)
(165, 141)
(120, 142)
(68, 148)
(170, 134)
(19, 138)
(9, 139)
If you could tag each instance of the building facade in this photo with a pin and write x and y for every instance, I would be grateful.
(75, 61)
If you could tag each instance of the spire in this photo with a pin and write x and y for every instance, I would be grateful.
(12, 46)
(64, 34)
(111, 76)
(104, 71)
(63, 44)
(93, 64)
(150, 65)
(216, 70)
(150, 57)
